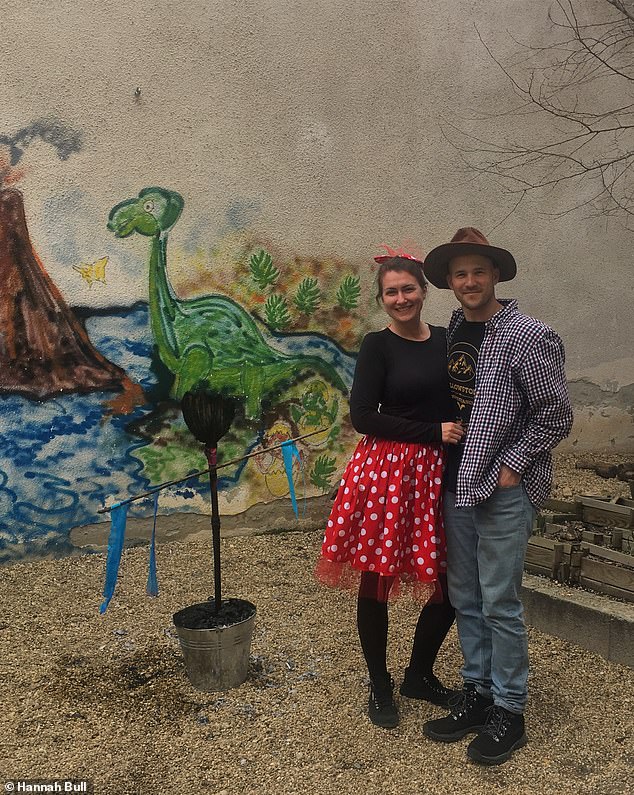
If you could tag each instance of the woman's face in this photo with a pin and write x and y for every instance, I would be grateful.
(402, 296)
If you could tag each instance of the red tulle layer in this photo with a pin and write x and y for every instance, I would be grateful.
(383, 589)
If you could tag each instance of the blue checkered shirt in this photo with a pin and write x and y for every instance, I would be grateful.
(521, 408)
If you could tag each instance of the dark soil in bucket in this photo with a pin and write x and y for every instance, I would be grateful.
(202, 615)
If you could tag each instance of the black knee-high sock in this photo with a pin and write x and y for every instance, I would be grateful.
(433, 625)
(372, 626)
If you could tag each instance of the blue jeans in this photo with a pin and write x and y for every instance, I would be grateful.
(486, 546)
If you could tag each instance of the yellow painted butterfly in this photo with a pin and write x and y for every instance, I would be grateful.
(93, 272)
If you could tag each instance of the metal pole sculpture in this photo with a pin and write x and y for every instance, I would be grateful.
(209, 415)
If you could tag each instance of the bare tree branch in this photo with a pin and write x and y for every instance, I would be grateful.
(582, 87)
(623, 7)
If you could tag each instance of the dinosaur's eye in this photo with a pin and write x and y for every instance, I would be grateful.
(148, 206)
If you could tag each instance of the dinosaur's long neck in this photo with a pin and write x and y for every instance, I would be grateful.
(163, 302)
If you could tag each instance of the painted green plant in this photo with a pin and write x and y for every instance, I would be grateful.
(308, 296)
(163, 462)
(314, 408)
(322, 472)
(276, 312)
(263, 272)
(349, 292)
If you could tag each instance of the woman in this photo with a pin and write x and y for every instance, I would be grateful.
(386, 522)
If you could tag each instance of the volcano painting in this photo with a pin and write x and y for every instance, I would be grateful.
(44, 349)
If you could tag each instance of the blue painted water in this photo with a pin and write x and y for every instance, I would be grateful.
(319, 346)
(62, 459)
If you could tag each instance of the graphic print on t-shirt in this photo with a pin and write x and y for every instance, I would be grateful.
(463, 358)
(462, 363)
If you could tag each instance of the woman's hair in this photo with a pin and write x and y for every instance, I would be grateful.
(411, 266)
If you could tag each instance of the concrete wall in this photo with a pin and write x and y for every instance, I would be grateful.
(309, 133)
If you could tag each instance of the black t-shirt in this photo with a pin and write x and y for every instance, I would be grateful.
(462, 364)
(400, 390)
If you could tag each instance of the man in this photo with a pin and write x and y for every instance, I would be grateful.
(508, 383)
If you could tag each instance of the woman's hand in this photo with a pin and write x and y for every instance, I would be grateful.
(452, 432)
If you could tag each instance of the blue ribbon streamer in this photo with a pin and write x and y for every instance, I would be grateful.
(290, 451)
(118, 517)
(152, 582)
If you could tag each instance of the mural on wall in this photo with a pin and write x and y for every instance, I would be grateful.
(209, 341)
(89, 397)
(289, 383)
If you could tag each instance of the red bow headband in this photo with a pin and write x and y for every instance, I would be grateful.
(396, 252)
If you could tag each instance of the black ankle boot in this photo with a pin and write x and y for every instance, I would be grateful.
(469, 711)
(426, 688)
(502, 734)
(381, 707)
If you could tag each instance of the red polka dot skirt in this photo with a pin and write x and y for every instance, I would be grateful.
(387, 516)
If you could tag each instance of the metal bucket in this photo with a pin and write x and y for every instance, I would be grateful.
(217, 658)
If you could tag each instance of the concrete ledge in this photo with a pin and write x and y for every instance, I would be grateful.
(592, 621)
(275, 516)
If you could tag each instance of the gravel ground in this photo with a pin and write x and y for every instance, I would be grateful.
(105, 698)
(570, 481)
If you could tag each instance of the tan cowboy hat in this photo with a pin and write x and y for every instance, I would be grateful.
(467, 240)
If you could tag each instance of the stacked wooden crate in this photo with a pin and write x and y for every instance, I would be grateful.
(600, 558)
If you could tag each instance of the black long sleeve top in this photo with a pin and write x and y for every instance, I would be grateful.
(400, 389)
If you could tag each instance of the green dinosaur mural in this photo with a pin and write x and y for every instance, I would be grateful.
(209, 340)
